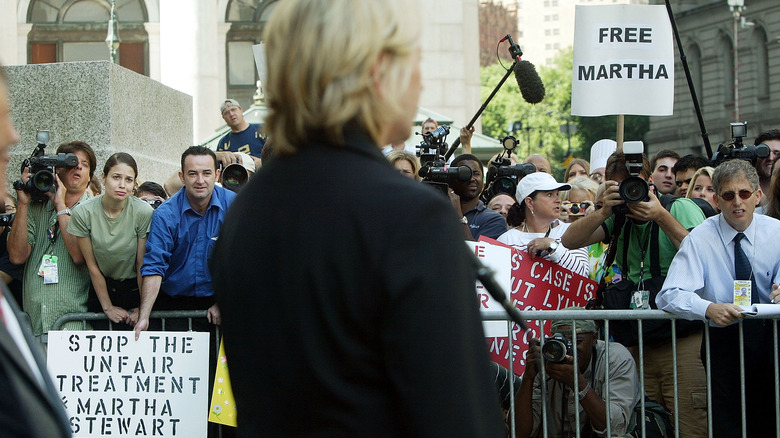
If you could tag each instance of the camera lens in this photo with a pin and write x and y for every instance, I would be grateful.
(234, 176)
(554, 350)
(634, 189)
(43, 180)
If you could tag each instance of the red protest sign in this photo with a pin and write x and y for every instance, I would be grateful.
(536, 284)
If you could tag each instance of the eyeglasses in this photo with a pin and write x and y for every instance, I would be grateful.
(596, 177)
(744, 194)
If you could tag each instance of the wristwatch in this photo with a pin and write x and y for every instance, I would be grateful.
(464, 220)
(581, 395)
(66, 211)
(553, 246)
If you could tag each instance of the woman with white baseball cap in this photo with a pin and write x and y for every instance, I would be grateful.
(539, 233)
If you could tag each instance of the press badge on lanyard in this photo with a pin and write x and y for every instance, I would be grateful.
(48, 269)
(742, 291)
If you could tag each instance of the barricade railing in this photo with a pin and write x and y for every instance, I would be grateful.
(543, 316)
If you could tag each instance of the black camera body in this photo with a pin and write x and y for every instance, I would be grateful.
(154, 202)
(633, 189)
(557, 347)
(7, 219)
(737, 150)
(434, 170)
(42, 170)
(502, 176)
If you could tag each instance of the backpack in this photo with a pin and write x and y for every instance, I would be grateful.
(657, 421)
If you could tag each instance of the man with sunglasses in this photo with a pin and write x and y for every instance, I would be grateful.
(733, 250)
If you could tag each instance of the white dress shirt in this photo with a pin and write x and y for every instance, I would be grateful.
(702, 272)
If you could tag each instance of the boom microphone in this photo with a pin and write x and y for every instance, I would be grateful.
(531, 86)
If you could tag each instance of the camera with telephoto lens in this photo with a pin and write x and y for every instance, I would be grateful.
(234, 176)
(737, 150)
(42, 170)
(434, 171)
(556, 348)
(502, 176)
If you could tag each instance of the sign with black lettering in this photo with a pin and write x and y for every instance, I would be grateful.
(112, 384)
(623, 61)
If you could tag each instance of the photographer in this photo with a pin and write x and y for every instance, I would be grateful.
(765, 166)
(40, 237)
(481, 221)
(588, 393)
(652, 235)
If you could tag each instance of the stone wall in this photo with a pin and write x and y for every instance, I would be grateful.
(109, 107)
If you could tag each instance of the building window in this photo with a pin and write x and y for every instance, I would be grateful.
(547, 32)
(68, 30)
(761, 62)
(556, 31)
(247, 20)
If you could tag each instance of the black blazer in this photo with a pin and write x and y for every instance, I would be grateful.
(27, 409)
(348, 303)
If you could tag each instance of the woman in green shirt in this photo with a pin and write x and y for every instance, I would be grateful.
(111, 230)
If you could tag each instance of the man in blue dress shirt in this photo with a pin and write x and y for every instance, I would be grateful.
(730, 251)
(182, 235)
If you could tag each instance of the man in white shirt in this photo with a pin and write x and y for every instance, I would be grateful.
(726, 253)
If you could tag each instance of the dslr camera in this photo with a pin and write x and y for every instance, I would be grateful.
(434, 171)
(42, 169)
(633, 189)
(502, 176)
(557, 347)
(737, 150)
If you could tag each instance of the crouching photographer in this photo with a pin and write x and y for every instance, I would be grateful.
(644, 236)
(588, 390)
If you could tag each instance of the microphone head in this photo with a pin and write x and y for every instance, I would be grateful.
(531, 86)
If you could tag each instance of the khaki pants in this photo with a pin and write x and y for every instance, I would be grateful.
(691, 382)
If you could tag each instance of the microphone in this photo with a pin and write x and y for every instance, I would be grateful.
(531, 86)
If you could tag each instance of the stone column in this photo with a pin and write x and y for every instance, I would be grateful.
(8, 35)
(188, 58)
(153, 33)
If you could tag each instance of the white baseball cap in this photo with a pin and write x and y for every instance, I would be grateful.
(538, 181)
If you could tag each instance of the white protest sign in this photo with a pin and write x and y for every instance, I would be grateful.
(623, 61)
(498, 259)
(112, 384)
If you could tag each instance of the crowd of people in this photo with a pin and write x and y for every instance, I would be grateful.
(336, 303)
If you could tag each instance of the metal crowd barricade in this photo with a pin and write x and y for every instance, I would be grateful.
(606, 316)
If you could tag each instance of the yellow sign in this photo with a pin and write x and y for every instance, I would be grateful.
(223, 405)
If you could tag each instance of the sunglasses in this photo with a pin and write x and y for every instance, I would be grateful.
(596, 177)
(744, 194)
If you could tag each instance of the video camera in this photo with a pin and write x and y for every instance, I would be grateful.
(434, 171)
(557, 347)
(42, 169)
(736, 150)
(502, 176)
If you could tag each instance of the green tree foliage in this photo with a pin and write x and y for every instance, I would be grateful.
(541, 123)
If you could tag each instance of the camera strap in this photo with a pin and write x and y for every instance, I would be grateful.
(52, 233)
(651, 241)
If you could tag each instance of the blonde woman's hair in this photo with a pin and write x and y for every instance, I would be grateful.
(394, 156)
(702, 171)
(336, 64)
